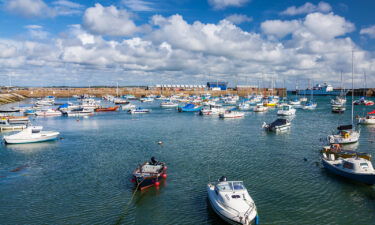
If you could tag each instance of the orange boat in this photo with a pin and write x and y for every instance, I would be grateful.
(108, 109)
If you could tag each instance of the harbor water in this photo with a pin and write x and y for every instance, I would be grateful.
(84, 176)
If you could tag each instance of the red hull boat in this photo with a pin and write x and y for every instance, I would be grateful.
(108, 109)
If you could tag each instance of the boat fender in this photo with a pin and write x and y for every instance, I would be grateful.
(164, 175)
(157, 183)
(257, 220)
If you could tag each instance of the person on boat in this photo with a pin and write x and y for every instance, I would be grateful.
(335, 147)
(153, 161)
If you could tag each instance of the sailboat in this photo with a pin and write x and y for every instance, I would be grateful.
(346, 133)
(310, 105)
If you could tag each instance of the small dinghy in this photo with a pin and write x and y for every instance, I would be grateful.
(356, 168)
(277, 125)
(31, 134)
(231, 201)
(149, 174)
(367, 120)
(231, 114)
(168, 104)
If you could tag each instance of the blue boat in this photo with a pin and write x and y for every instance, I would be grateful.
(356, 168)
(325, 89)
(190, 108)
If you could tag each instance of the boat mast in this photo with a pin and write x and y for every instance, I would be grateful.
(352, 86)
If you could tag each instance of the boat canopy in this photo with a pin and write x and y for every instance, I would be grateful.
(230, 186)
(189, 106)
(278, 122)
(345, 127)
(66, 105)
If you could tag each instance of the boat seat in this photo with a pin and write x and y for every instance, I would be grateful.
(151, 169)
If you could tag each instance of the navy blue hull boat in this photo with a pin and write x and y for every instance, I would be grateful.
(356, 168)
(149, 174)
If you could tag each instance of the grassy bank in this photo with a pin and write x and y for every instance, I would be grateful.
(9, 98)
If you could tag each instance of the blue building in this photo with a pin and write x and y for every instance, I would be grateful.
(222, 85)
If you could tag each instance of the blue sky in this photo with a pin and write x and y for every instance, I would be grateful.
(61, 42)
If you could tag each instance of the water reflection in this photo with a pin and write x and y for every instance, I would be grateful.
(32, 147)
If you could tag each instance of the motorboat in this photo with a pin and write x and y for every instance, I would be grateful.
(279, 124)
(107, 109)
(48, 112)
(339, 100)
(138, 111)
(363, 101)
(149, 174)
(16, 119)
(168, 104)
(211, 110)
(303, 99)
(6, 126)
(31, 134)
(146, 99)
(346, 135)
(260, 108)
(231, 201)
(119, 101)
(287, 110)
(68, 106)
(127, 106)
(338, 108)
(79, 112)
(89, 103)
(310, 105)
(355, 168)
(190, 108)
(295, 102)
(244, 106)
(231, 114)
(369, 119)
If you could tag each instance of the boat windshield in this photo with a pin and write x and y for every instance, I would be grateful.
(231, 186)
(285, 107)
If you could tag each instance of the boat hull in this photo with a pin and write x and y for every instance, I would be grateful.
(363, 178)
(49, 137)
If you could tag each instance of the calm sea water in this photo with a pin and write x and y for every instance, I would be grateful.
(84, 178)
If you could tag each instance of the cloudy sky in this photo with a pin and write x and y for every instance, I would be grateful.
(140, 42)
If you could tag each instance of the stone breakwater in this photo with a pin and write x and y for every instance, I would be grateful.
(9, 98)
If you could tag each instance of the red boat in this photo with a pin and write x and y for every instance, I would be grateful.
(108, 109)
(149, 174)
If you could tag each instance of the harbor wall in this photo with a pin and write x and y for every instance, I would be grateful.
(6, 98)
(138, 92)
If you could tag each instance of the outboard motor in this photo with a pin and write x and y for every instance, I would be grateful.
(153, 160)
(223, 179)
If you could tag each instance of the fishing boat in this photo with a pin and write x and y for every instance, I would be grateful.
(146, 99)
(168, 104)
(231, 114)
(260, 108)
(279, 124)
(355, 168)
(6, 126)
(346, 135)
(231, 201)
(108, 109)
(369, 119)
(138, 111)
(31, 134)
(149, 174)
(340, 152)
(287, 110)
(48, 112)
(190, 108)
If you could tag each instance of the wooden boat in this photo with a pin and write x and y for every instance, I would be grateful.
(108, 109)
(149, 174)
(339, 152)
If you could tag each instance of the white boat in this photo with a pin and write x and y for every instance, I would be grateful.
(80, 112)
(31, 134)
(89, 103)
(277, 125)
(310, 105)
(369, 119)
(146, 99)
(244, 106)
(346, 135)
(127, 106)
(231, 201)
(356, 168)
(211, 110)
(48, 112)
(138, 111)
(287, 110)
(168, 104)
(260, 108)
(6, 126)
(231, 114)
(303, 99)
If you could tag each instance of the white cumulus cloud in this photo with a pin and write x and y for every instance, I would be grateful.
(307, 8)
(370, 31)
(109, 21)
(239, 18)
(279, 28)
(222, 4)
(29, 8)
